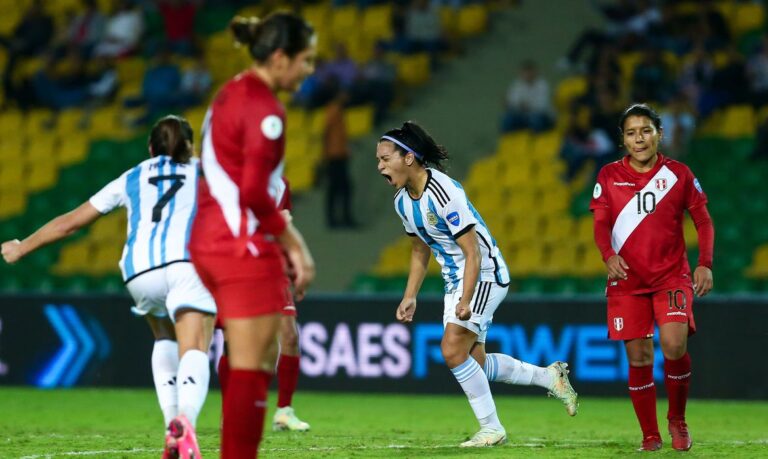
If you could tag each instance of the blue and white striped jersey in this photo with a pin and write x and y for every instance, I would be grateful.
(441, 215)
(160, 196)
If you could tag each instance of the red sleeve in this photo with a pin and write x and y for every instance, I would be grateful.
(262, 140)
(602, 231)
(286, 202)
(706, 231)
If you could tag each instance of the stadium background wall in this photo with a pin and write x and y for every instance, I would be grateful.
(353, 343)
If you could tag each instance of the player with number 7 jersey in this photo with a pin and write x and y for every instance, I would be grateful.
(639, 204)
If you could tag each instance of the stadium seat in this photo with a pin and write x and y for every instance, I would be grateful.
(568, 90)
(738, 121)
(472, 20)
(72, 149)
(12, 202)
(344, 22)
(414, 70)
(295, 122)
(377, 22)
(11, 123)
(746, 17)
(296, 147)
(759, 266)
(359, 120)
(74, 258)
(41, 176)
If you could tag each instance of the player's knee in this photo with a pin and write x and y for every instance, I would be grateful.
(289, 343)
(453, 355)
(673, 349)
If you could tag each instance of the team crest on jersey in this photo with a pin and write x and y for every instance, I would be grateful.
(431, 218)
(272, 127)
(661, 184)
(454, 218)
(597, 191)
(618, 323)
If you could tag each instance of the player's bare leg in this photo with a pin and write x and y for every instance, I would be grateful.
(506, 369)
(642, 390)
(287, 377)
(456, 345)
(677, 376)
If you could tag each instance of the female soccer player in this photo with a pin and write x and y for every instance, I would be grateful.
(438, 216)
(638, 205)
(159, 195)
(287, 346)
(239, 233)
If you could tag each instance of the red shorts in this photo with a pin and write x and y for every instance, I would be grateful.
(244, 286)
(633, 316)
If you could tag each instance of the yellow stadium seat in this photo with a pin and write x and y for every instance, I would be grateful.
(359, 46)
(108, 229)
(72, 149)
(759, 266)
(414, 70)
(296, 147)
(344, 21)
(553, 200)
(11, 123)
(747, 17)
(562, 260)
(74, 258)
(689, 233)
(557, 228)
(12, 202)
(12, 148)
(317, 15)
(377, 22)
(12, 175)
(131, 68)
(301, 175)
(104, 124)
(569, 89)
(317, 122)
(590, 262)
(738, 121)
(41, 148)
(472, 20)
(546, 145)
(584, 229)
(105, 259)
(627, 63)
(515, 145)
(295, 122)
(524, 229)
(359, 120)
(42, 176)
(36, 122)
(520, 202)
(449, 20)
(527, 260)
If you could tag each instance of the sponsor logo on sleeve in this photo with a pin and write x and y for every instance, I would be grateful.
(454, 218)
(597, 191)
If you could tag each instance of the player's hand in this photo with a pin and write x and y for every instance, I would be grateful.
(463, 311)
(300, 258)
(405, 310)
(287, 215)
(617, 268)
(702, 280)
(12, 251)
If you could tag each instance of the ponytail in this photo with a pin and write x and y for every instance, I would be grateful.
(412, 138)
(281, 30)
(172, 136)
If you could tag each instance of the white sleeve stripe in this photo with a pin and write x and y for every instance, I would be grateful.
(223, 189)
(630, 217)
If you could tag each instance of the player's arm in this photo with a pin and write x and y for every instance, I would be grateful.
(55, 230)
(702, 275)
(614, 263)
(420, 254)
(468, 244)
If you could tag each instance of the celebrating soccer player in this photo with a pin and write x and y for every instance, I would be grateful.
(638, 205)
(438, 216)
(159, 195)
(239, 234)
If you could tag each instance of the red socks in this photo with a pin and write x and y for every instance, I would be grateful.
(287, 378)
(245, 402)
(677, 378)
(642, 391)
(223, 370)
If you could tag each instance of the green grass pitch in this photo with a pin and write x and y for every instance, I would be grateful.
(127, 424)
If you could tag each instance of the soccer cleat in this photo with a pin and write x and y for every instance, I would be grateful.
(681, 439)
(285, 419)
(651, 443)
(180, 440)
(561, 387)
(486, 437)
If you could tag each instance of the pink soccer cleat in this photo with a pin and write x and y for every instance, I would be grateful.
(180, 441)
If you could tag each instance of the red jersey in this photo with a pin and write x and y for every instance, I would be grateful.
(645, 213)
(241, 183)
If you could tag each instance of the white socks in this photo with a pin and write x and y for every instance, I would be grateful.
(475, 385)
(193, 376)
(165, 366)
(501, 367)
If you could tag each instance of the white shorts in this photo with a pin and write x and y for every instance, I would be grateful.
(487, 297)
(163, 291)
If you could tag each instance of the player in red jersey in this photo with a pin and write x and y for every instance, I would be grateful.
(287, 345)
(638, 205)
(239, 234)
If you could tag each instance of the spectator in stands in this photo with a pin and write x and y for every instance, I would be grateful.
(84, 30)
(196, 82)
(695, 78)
(757, 69)
(710, 25)
(679, 125)
(179, 22)
(338, 198)
(652, 78)
(68, 82)
(528, 101)
(584, 142)
(123, 31)
(730, 85)
(422, 30)
(341, 70)
(29, 38)
(378, 81)
(160, 89)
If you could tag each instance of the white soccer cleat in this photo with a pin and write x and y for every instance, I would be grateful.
(561, 387)
(285, 419)
(486, 437)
